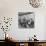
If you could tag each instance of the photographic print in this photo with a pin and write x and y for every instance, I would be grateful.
(26, 19)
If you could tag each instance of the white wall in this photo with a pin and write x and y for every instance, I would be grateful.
(11, 8)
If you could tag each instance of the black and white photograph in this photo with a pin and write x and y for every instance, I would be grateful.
(26, 19)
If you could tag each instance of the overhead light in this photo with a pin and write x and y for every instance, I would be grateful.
(35, 3)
